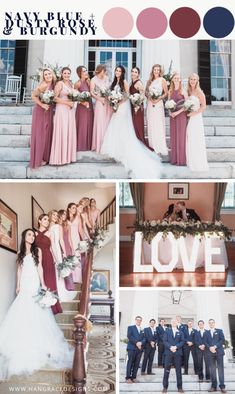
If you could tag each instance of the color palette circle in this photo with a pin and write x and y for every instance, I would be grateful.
(151, 23)
(218, 22)
(185, 22)
(118, 22)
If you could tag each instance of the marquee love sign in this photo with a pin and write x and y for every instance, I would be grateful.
(178, 250)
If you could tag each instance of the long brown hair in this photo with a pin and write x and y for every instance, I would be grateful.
(121, 80)
(79, 73)
(151, 76)
(33, 248)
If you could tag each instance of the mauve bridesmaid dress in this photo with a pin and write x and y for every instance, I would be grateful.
(68, 280)
(84, 122)
(178, 127)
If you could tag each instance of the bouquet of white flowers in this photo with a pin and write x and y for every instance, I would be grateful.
(136, 100)
(154, 93)
(67, 265)
(83, 246)
(73, 95)
(85, 97)
(114, 99)
(103, 92)
(47, 97)
(192, 104)
(170, 105)
(46, 298)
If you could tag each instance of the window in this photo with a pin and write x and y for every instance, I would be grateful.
(220, 53)
(229, 199)
(7, 58)
(125, 198)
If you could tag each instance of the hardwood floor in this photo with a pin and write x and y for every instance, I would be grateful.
(177, 278)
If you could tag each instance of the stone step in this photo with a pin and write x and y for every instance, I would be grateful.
(216, 141)
(15, 141)
(51, 376)
(17, 129)
(15, 119)
(15, 110)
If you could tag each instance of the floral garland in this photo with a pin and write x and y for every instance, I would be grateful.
(179, 229)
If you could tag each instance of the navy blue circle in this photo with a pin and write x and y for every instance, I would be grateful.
(218, 22)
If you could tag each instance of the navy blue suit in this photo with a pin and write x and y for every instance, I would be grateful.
(134, 354)
(161, 347)
(202, 355)
(216, 359)
(149, 351)
(173, 358)
(187, 349)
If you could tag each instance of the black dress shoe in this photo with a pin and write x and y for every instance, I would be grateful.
(143, 373)
(164, 390)
(223, 391)
(212, 390)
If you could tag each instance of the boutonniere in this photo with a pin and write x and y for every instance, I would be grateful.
(141, 331)
(215, 332)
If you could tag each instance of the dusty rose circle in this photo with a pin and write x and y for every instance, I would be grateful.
(118, 22)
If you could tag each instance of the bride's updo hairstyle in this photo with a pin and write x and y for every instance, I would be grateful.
(100, 68)
(197, 88)
(122, 78)
(33, 248)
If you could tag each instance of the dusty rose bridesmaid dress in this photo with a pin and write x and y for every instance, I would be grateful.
(64, 141)
(178, 127)
(84, 122)
(68, 280)
(41, 135)
(102, 116)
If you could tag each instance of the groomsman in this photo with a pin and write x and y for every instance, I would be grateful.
(174, 341)
(214, 342)
(180, 325)
(135, 345)
(202, 352)
(150, 335)
(189, 346)
(160, 333)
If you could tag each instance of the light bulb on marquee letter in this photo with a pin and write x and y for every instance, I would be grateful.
(209, 251)
(154, 253)
(137, 266)
(189, 263)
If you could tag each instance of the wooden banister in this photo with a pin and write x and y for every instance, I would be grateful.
(108, 214)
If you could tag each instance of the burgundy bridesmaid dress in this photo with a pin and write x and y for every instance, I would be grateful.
(178, 127)
(84, 122)
(138, 117)
(41, 135)
(68, 280)
(44, 243)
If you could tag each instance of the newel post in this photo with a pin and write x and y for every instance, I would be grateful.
(79, 368)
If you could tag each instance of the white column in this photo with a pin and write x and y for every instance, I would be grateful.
(66, 53)
(208, 307)
(145, 304)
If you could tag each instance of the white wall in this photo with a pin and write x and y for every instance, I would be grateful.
(49, 195)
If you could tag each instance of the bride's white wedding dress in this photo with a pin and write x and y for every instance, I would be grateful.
(195, 143)
(30, 338)
(120, 142)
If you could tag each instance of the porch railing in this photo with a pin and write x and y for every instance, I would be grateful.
(108, 214)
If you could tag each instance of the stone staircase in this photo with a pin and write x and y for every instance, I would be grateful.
(47, 378)
(153, 383)
(15, 126)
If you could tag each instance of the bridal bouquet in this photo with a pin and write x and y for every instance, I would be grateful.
(114, 99)
(73, 95)
(136, 100)
(47, 97)
(191, 104)
(85, 97)
(155, 93)
(170, 105)
(46, 298)
(68, 265)
(104, 92)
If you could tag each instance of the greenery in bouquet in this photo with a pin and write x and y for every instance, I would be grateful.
(169, 74)
(67, 266)
(191, 104)
(114, 99)
(46, 298)
(137, 100)
(73, 95)
(182, 229)
(47, 97)
(55, 68)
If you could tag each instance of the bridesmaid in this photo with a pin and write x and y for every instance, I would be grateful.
(76, 230)
(42, 122)
(94, 214)
(155, 112)
(178, 122)
(195, 135)
(84, 208)
(103, 111)
(137, 117)
(43, 242)
(64, 140)
(66, 244)
(84, 112)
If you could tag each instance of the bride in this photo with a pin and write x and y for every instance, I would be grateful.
(30, 338)
(120, 141)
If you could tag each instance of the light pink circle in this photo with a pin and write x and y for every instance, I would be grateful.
(118, 22)
(151, 22)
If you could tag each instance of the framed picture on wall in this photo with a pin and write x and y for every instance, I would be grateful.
(100, 282)
(178, 191)
(8, 228)
(37, 210)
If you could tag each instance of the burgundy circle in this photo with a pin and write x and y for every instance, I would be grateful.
(185, 22)
(151, 23)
